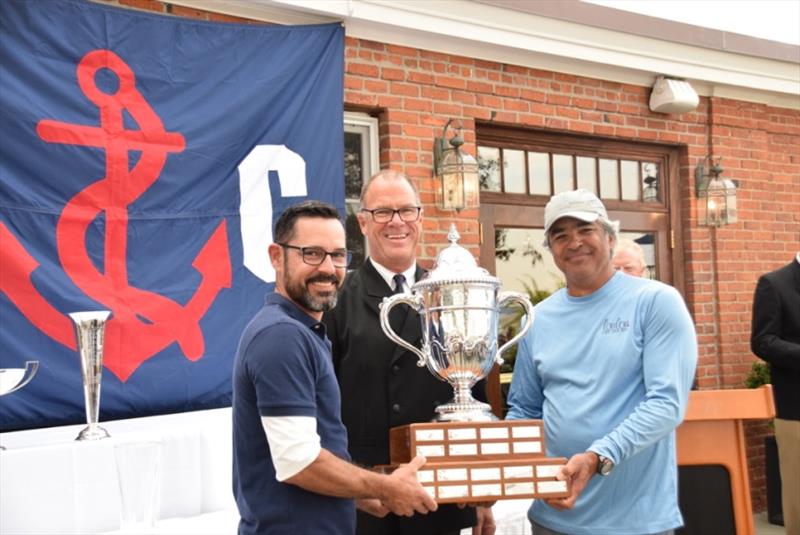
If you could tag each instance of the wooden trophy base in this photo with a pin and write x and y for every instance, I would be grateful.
(471, 462)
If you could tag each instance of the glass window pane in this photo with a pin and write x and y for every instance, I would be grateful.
(609, 183)
(631, 191)
(650, 174)
(522, 262)
(647, 242)
(514, 171)
(354, 156)
(562, 173)
(355, 240)
(539, 173)
(587, 175)
(522, 265)
(489, 168)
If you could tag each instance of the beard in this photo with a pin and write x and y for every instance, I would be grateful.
(298, 291)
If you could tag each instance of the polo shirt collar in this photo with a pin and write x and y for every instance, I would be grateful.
(291, 309)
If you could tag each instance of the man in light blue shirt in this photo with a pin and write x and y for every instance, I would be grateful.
(608, 366)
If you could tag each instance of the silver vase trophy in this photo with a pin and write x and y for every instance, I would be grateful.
(90, 333)
(459, 307)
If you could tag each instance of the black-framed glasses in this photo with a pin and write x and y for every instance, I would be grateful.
(408, 214)
(314, 256)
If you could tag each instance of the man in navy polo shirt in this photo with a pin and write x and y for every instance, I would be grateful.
(291, 469)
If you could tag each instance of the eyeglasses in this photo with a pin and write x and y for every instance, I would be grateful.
(315, 256)
(408, 214)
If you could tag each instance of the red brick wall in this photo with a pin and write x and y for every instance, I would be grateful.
(414, 92)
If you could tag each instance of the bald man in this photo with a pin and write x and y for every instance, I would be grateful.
(629, 258)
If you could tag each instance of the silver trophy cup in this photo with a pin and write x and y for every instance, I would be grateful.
(90, 331)
(459, 307)
(12, 379)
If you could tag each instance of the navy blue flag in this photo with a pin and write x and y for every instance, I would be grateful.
(143, 161)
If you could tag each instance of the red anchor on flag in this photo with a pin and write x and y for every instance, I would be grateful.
(143, 322)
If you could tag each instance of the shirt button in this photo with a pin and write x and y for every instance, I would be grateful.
(396, 408)
(395, 368)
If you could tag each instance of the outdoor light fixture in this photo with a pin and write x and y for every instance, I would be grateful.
(456, 173)
(716, 195)
(670, 95)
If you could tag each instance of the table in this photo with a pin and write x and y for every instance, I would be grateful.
(51, 483)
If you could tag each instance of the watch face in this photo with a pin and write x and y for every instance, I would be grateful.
(604, 466)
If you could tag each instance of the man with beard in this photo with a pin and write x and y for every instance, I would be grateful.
(291, 473)
(382, 386)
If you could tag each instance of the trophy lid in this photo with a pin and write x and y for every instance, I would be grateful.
(454, 264)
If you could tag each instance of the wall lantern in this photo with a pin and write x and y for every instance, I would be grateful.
(716, 195)
(456, 173)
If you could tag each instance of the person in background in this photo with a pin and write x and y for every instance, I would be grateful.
(382, 386)
(608, 365)
(775, 338)
(291, 469)
(629, 258)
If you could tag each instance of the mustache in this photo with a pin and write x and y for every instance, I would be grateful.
(324, 278)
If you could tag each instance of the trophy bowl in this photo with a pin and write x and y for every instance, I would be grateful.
(459, 306)
(12, 379)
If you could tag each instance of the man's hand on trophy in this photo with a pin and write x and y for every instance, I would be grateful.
(577, 472)
(403, 494)
(372, 506)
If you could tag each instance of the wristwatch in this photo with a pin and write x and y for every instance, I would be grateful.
(604, 465)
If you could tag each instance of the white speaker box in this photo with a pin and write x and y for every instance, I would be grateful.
(673, 96)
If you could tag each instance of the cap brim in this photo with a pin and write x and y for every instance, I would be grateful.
(587, 217)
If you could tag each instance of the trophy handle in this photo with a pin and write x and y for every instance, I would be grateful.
(30, 370)
(523, 300)
(415, 302)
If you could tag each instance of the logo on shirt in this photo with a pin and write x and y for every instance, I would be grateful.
(618, 325)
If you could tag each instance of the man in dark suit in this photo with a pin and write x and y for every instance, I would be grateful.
(382, 386)
(775, 337)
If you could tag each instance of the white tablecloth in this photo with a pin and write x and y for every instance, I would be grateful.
(49, 483)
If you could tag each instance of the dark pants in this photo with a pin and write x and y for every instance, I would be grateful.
(393, 525)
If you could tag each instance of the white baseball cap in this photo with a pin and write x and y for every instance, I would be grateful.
(581, 204)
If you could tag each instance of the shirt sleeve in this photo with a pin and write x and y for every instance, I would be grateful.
(525, 396)
(280, 364)
(293, 443)
(669, 359)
